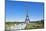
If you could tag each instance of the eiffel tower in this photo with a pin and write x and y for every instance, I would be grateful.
(27, 20)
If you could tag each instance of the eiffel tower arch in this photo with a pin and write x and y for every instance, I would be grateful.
(27, 20)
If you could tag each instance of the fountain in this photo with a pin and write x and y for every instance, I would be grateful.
(19, 26)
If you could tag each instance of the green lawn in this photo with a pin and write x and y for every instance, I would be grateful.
(34, 26)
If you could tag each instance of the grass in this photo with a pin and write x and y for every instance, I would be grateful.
(34, 26)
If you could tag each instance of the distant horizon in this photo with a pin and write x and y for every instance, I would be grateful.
(15, 11)
(24, 21)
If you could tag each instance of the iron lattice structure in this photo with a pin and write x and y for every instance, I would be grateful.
(27, 20)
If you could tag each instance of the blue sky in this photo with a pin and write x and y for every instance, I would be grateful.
(15, 11)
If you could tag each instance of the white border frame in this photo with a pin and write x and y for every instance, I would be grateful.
(2, 15)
